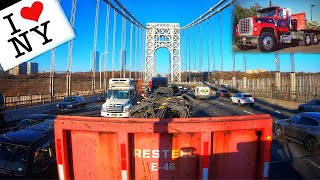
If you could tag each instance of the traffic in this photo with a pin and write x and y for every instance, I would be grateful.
(27, 147)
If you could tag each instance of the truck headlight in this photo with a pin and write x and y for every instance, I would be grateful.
(255, 29)
(127, 109)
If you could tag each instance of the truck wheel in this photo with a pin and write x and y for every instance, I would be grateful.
(267, 42)
(306, 40)
(314, 39)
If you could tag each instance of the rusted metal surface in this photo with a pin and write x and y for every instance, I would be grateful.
(153, 148)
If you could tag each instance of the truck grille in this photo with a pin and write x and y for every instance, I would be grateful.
(115, 108)
(245, 26)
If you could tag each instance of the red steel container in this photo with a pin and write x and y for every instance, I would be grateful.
(185, 148)
(138, 88)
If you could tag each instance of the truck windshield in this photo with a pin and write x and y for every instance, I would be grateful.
(118, 94)
(267, 13)
(13, 158)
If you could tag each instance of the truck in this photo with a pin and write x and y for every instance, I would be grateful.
(121, 96)
(273, 26)
(227, 147)
(157, 82)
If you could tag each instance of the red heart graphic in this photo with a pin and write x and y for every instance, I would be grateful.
(32, 13)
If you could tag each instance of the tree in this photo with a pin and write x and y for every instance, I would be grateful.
(241, 12)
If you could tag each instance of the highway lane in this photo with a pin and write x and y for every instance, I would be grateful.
(288, 160)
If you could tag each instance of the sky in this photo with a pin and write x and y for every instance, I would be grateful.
(171, 11)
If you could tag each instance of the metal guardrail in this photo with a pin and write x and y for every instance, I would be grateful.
(37, 99)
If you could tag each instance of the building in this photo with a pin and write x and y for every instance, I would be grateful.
(25, 68)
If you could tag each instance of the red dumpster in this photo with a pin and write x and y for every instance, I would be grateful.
(184, 148)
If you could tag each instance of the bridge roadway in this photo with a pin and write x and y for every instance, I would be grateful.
(288, 160)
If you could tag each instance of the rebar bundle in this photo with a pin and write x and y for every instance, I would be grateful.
(162, 104)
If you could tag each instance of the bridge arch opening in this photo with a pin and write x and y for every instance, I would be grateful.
(162, 62)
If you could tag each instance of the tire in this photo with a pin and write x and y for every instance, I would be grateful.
(314, 39)
(239, 103)
(278, 131)
(311, 144)
(306, 40)
(267, 42)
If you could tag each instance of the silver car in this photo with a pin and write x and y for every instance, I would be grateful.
(311, 106)
(303, 128)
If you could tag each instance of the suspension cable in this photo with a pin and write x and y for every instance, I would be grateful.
(208, 32)
(132, 20)
(189, 43)
(221, 50)
(70, 44)
(213, 49)
(114, 40)
(136, 53)
(201, 51)
(130, 49)
(106, 45)
(207, 15)
(95, 35)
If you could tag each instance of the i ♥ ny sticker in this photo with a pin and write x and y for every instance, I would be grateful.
(29, 28)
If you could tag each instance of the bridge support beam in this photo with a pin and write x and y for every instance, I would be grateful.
(293, 86)
(234, 83)
(244, 86)
(68, 84)
(52, 88)
(278, 80)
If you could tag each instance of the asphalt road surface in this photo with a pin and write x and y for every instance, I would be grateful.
(288, 48)
(289, 160)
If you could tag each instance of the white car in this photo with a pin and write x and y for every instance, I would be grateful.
(242, 99)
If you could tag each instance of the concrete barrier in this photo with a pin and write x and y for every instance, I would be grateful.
(286, 104)
(12, 115)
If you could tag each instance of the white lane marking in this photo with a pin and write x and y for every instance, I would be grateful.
(248, 112)
(278, 112)
(216, 113)
(261, 107)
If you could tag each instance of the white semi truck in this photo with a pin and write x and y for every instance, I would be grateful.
(121, 96)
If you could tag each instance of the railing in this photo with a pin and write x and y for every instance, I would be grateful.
(37, 99)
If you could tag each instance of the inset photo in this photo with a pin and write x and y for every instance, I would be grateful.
(276, 26)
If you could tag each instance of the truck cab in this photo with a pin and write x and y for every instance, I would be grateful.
(121, 96)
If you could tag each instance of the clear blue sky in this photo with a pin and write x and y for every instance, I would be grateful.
(171, 11)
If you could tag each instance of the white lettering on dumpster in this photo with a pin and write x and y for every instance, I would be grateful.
(164, 154)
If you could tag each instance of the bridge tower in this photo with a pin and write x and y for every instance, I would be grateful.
(165, 35)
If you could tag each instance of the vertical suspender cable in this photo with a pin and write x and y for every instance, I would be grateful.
(208, 48)
(124, 48)
(121, 47)
(144, 53)
(233, 61)
(106, 48)
(293, 69)
(244, 62)
(70, 47)
(189, 43)
(95, 35)
(213, 50)
(201, 50)
(136, 53)
(130, 49)
(221, 50)
(194, 50)
(114, 40)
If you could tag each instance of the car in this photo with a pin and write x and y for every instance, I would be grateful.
(1, 110)
(303, 128)
(242, 99)
(223, 93)
(201, 92)
(102, 97)
(34, 119)
(29, 152)
(311, 106)
(71, 103)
